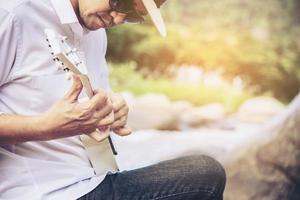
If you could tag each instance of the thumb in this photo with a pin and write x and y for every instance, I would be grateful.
(123, 131)
(75, 89)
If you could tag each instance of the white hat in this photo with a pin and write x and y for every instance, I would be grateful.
(155, 15)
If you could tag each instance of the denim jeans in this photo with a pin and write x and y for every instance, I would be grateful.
(186, 178)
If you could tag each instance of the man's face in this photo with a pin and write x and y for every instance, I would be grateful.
(97, 14)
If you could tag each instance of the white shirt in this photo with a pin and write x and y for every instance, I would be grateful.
(29, 84)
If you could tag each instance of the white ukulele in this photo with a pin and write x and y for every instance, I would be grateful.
(101, 153)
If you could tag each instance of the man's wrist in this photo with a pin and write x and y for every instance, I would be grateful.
(42, 127)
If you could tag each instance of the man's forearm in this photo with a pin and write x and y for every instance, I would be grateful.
(16, 129)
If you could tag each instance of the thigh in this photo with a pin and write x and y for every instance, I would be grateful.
(187, 178)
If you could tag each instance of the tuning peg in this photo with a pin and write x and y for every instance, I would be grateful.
(78, 63)
(64, 38)
(55, 58)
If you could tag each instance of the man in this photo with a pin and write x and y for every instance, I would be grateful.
(41, 153)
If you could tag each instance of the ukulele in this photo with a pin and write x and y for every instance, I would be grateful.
(101, 151)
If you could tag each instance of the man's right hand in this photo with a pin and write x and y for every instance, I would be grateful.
(68, 117)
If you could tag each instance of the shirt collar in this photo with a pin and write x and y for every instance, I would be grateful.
(67, 16)
(65, 11)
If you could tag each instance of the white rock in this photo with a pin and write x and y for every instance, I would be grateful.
(199, 116)
(259, 110)
(152, 112)
(152, 99)
(181, 107)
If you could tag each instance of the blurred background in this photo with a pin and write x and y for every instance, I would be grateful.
(223, 76)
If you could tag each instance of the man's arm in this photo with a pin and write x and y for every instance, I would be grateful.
(16, 129)
(67, 117)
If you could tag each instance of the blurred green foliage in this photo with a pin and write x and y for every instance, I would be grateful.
(255, 40)
(124, 76)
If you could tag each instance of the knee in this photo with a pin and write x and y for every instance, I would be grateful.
(203, 163)
(207, 169)
(211, 165)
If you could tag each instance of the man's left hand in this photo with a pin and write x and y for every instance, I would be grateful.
(121, 110)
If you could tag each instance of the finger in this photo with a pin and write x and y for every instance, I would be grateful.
(106, 110)
(118, 101)
(75, 89)
(119, 123)
(119, 105)
(123, 112)
(108, 120)
(124, 131)
(99, 100)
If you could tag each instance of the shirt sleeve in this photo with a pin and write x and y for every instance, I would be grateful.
(8, 45)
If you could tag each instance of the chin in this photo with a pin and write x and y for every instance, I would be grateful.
(93, 28)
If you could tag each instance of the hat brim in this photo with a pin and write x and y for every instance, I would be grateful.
(155, 16)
